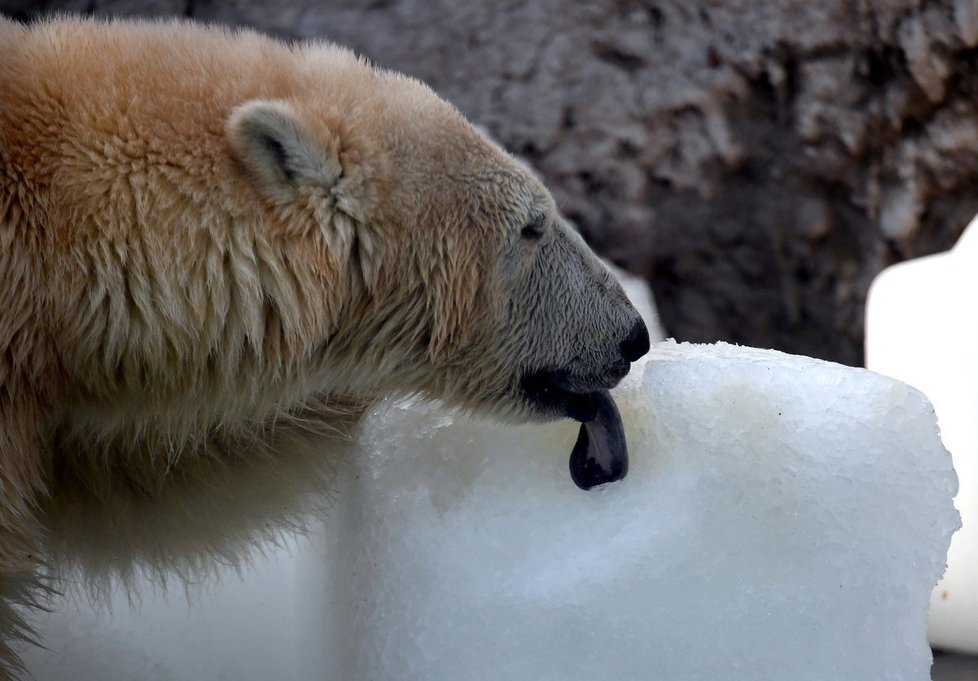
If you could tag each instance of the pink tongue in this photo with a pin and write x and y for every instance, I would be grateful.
(600, 454)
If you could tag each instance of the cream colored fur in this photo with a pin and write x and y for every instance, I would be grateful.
(206, 234)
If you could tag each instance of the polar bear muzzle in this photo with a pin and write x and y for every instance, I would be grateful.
(600, 454)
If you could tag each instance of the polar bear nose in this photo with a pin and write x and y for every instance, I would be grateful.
(637, 342)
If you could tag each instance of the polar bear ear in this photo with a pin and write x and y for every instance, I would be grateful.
(279, 151)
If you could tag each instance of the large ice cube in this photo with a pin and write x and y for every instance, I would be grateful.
(783, 518)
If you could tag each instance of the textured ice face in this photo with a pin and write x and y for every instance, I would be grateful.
(784, 518)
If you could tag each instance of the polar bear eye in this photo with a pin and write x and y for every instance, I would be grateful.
(534, 229)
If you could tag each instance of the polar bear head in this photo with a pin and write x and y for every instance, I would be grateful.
(451, 272)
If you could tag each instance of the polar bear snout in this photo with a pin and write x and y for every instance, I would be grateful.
(637, 343)
(570, 391)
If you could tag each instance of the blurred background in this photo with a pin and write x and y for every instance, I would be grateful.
(757, 162)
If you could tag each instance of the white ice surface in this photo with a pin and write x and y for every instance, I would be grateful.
(783, 518)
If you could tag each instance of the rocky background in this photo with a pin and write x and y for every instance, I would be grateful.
(758, 161)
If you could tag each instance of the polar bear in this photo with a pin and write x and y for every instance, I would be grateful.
(204, 232)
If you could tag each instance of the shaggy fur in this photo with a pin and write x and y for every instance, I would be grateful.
(205, 234)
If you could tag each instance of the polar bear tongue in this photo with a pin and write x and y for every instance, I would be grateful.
(600, 454)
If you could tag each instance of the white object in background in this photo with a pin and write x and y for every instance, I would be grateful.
(922, 328)
(246, 627)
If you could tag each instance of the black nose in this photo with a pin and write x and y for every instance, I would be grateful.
(637, 343)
